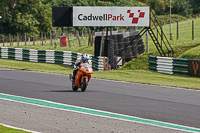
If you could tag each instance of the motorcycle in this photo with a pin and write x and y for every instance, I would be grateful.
(82, 77)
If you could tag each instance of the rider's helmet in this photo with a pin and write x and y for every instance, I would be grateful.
(85, 57)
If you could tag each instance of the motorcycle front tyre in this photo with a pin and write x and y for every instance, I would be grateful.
(84, 85)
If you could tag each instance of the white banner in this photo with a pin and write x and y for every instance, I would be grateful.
(110, 16)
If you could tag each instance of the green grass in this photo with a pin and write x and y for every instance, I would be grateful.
(150, 77)
(185, 35)
(140, 63)
(193, 53)
(4, 129)
(138, 76)
(31, 66)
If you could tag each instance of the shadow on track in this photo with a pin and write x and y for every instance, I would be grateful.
(62, 91)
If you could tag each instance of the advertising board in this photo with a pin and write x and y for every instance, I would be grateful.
(110, 16)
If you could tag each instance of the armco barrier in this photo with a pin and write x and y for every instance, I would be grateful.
(168, 65)
(51, 56)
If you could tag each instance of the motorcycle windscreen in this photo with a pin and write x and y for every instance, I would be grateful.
(87, 68)
(86, 65)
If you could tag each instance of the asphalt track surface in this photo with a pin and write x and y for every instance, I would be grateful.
(167, 104)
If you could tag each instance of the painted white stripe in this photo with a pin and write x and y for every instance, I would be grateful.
(164, 58)
(67, 56)
(67, 63)
(165, 63)
(18, 58)
(165, 67)
(163, 71)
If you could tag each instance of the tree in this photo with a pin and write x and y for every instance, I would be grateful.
(196, 6)
(183, 7)
(44, 17)
(159, 6)
(25, 16)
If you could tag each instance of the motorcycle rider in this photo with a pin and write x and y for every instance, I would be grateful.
(84, 59)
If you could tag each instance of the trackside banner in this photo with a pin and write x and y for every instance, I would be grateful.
(110, 16)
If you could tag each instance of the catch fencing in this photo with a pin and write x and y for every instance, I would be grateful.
(51, 56)
(168, 65)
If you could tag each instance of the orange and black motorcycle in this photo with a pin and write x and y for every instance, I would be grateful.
(82, 77)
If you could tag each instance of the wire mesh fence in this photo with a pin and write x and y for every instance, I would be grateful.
(185, 30)
(52, 38)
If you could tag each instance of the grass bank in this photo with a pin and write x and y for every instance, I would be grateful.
(4, 129)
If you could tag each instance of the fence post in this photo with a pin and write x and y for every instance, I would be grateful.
(192, 29)
(3, 41)
(10, 39)
(90, 38)
(25, 39)
(17, 39)
(33, 39)
(42, 37)
(164, 26)
(77, 35)
(68, 39)
(55, 37)
(45, 36)
(174, 30)
(177, 31)
(51, 37)
(60, 38)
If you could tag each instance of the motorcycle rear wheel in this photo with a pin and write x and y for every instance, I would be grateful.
(84, 85)
(74, 88)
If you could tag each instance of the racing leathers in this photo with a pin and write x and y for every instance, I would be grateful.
(77, 64)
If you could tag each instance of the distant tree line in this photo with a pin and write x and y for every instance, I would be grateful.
(34, 16)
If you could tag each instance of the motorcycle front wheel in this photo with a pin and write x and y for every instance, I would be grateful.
(84, 85)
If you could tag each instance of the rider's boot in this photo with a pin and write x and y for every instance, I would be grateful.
(73, 78)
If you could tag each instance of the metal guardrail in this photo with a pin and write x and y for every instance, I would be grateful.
(168, 65)
(51, 56)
